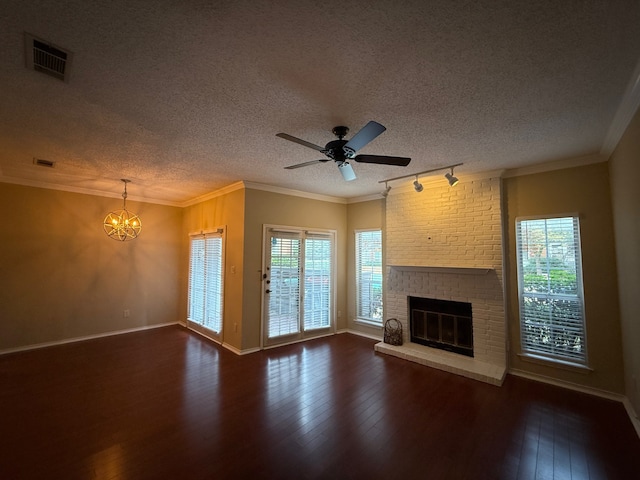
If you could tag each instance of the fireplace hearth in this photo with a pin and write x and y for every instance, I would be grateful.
(442, 324)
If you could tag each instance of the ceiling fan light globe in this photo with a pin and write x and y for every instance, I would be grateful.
(347, 171)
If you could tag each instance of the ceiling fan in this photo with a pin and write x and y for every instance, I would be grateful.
(341, 151)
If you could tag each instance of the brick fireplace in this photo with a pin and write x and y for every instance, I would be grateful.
(446, 243)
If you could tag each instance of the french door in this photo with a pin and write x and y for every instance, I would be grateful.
(298, 284)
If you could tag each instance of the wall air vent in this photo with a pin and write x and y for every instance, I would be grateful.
(44, 163)
(42, 56)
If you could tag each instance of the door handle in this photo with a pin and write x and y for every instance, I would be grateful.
(267, 291)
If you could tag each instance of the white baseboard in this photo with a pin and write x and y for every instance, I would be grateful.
(631, 413)
(238, 351)
(361, 334)
(568, 385)
(81, 339)
(633, 416)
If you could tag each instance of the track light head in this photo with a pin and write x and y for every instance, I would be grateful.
(417, 186)
(386, 190)
(453, 181)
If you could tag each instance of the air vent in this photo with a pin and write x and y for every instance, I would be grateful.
(43, 56)
(44, 163)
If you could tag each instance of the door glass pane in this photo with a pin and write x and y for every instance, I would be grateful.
(317, 283)
(284, 298)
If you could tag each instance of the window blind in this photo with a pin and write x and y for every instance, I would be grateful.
(369, 275)
(285, 284)
(550, 288)
(317, 281)
(206, 281)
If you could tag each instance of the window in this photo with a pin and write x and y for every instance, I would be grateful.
(206, 282)
(550, 288)
(369, 276)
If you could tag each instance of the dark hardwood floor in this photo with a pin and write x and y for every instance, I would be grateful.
(167, 404)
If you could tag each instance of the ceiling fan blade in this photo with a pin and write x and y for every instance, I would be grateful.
(299, 141)
(367, 133)
(383, 160)
(305, 164)
(347, 171)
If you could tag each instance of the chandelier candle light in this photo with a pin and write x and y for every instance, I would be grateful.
(122, 224)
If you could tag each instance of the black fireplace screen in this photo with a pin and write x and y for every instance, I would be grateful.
(441, 324)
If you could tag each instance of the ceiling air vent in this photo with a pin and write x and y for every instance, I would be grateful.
(42, 56)
(44, 163)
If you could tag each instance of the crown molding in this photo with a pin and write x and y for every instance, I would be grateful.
(216, 193)
(365, 198)
(626, 110)
(556, 165)
(295, 193)
(400, 184)
(85, 191)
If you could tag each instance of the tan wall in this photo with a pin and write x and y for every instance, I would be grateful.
(61, 277)
(583, 190)
(360, 216)
(225, 211)
(624, 168)
(277, 209)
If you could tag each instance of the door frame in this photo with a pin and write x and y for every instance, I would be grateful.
(302, 336)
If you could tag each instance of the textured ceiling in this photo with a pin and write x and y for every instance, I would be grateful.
(185, 97)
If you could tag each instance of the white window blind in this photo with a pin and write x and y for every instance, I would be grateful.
(284, 300)
(369, 275)
(317, 281)
(550, 288)
(206, 281)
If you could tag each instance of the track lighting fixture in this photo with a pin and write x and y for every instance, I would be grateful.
(386, 190)
(418, 187)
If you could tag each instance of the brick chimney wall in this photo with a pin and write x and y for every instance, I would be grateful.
(446, 243)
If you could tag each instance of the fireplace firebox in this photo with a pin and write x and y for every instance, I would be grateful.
(442, 324)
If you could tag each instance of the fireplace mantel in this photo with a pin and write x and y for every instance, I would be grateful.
(447, 269)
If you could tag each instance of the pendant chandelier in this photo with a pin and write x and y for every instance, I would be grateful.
(122, 224)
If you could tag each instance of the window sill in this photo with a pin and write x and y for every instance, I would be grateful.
(552, 362)
(368, 323)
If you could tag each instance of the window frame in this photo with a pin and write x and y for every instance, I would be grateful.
(218, 257)
(551, 354)
(359, 316)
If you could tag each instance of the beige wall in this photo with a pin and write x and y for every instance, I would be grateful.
(624, 168)
(226, 211)
(583, 190)
(360, 216)
(264, 207)
(61, 277)
(61, 281)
